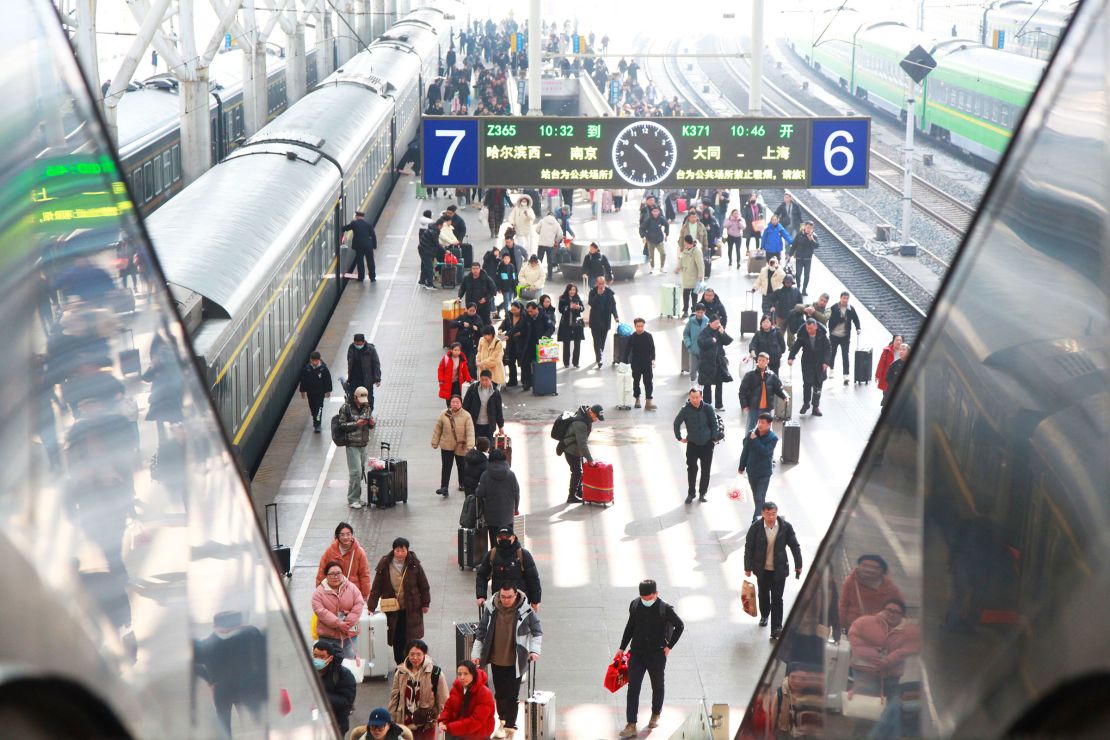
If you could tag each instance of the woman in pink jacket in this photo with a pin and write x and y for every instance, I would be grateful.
(734, 232)
(338, 604)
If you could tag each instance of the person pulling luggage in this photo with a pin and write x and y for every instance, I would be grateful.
(507, 655)
(574, 446)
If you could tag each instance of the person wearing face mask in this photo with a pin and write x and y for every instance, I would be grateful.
(507, 561)
(315, 386)
(753, 215)
(339, 684)
(232, 660)
(653, 629)
(364, 369)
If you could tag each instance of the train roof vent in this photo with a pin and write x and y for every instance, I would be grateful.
(1075, 365)
(298, 137)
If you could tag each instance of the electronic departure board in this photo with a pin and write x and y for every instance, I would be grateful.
(642, 153)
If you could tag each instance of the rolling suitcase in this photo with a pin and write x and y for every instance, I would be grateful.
(543, 379)
(282, 554)
(669, 301)
(597, 483)
(449, 332)
(862, 366)
(791, 441)
(464, 638)
(685, 357)
(707, 261)
(380, 488)
(757, 261)
(620, 344)
(373, 648)
(624, 386)
(783, 410)
(539, 710)
(129, 363)
(749, 317)
(472, 547)
(504, 443)
(467, 258)
(399, 485)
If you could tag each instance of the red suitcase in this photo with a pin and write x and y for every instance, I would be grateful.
(597, 483)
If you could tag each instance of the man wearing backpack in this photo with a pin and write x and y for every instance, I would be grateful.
(498, 495)
(653, 628)
(508, 563)
(573, 433)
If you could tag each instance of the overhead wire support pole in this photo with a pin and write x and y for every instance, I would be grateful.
(535, 58)
(755, 93)
(907, 179)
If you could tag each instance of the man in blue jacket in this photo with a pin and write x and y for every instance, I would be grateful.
(773, 237)
(758, 458)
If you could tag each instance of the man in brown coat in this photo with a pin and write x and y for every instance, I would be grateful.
(400, 576)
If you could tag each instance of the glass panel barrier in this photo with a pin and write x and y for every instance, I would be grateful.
(134, 572)
(959, 589)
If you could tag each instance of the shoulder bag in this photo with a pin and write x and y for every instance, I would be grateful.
(389, 605)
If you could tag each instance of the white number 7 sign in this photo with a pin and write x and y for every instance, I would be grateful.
(458, 134)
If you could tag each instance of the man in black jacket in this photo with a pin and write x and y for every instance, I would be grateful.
(802, 252)
(784, 300)
(474, 465)
(427, 247)
(602, 303)
(653, 629)
(765, 553)
(315, 386)
(640, 353)
(507, 562)
(339, 684)
(813, 343)
(498, 494)
(758, 389)
(595, 264)
(469, 327)
(364, 369)
(701, 433)
(457, 224)
(790, 214)
(477, 287)
(483, 402)
(841, 317)
(364, 243)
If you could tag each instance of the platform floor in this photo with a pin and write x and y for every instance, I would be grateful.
(591, 559)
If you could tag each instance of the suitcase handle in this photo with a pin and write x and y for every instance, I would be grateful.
(531, 679)
(277, 533)
(386, 447)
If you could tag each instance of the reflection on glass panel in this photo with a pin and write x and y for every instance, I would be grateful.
(134, 570)
(960, 589)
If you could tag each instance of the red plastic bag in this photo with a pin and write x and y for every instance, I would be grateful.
(616, 675)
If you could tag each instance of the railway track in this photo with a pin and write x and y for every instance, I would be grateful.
(887, 297)
(934, 203)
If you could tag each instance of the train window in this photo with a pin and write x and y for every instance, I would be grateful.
(176, 151)
(137, 182)
(148, 181)
(156, 167)
(167, 169)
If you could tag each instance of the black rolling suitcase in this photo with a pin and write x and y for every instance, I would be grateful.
(543, 379)
(791, 441)
(619, 345)
(129, 363)
(749, 317)
(467, 250)
(862, 366)
(380, 488)
(282, 554)
(399, 483)
(472, 547)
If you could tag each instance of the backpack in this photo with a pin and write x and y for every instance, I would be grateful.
(468, 518)
(338, 436)
(668, 626)
(499, 571)
(561, 428)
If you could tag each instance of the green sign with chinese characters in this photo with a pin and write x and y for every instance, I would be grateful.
(641, 153)
(78, 191)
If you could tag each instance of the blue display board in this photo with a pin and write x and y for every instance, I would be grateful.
(450, 151)
(839, 153)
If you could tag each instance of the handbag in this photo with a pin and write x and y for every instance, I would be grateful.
(758, 224)
(616, 675)
(389, 605)
(747, 599)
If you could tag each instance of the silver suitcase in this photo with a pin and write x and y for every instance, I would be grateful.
(539, 710)
(376, 654)
(783, 406)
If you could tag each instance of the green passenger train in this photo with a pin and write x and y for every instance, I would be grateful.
(972, 100)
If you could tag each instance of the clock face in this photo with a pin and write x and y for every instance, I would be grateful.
(644, 153)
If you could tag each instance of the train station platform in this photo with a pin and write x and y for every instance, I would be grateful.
(590, 559)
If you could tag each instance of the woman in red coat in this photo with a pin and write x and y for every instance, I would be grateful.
(889, 355)
(468, 713)
(453, 372)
